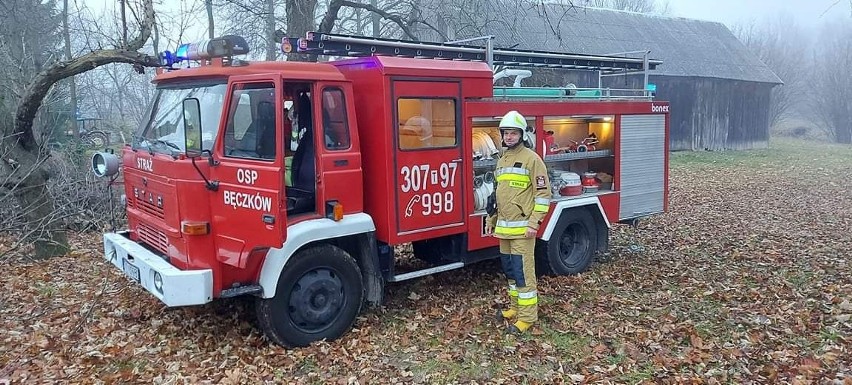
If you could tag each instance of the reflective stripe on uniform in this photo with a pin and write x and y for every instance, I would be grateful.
(515, 176)
(511, 227)
(528, 299)
(513, 290)
(541, 205)
(512, 170)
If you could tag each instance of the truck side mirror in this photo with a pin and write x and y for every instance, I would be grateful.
(192, 127)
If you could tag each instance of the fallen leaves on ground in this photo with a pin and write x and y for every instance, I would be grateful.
(746, 279)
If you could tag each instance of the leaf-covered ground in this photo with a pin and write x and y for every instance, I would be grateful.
(746, 279)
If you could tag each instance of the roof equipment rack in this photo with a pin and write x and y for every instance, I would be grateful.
(346, 45)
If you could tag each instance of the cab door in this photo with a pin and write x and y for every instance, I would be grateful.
(247, 209)
(428, 161)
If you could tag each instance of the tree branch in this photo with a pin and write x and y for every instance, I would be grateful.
(38, 88)
(331, 16)
(34, 95)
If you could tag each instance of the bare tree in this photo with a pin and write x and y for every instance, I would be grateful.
(72, 86)
(22, 169)
(116, 95)
(245, 18)
(379, 18)
(780, 44)
(269, 25)
(831, 82)
(208, 5)
(242, 17)
(391, 11)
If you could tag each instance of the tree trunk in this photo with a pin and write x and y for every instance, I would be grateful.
(28, 182)
(155, 37)
(22, 166)
(123, 24)
(210, 31)
(300, 20)
(72, 86)
(843, 131)
(375, 18)
(271, 42)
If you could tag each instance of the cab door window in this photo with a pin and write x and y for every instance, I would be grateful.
(250, 132)
(334, 120)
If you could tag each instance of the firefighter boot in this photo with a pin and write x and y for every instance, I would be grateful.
(519, 327)
(512, 311)
(506, 314)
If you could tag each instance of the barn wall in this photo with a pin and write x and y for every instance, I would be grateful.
(716, 114)
(711, 114)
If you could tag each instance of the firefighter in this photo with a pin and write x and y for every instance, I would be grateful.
(523, 199)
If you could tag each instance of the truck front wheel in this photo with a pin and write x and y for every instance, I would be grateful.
(319, 295)
(571, 248)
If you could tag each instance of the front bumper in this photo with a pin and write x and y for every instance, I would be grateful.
(174, 287)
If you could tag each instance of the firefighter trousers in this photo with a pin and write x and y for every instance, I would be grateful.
(518, 259)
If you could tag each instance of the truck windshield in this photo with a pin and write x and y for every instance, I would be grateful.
(163, 131)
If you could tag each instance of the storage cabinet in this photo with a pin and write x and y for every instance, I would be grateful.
(568, 145)
(583, 145)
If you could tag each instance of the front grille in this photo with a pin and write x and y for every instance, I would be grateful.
(149, 202)
(154, 238)
(155, 209)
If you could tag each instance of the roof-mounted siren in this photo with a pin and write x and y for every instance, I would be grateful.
(221, 47)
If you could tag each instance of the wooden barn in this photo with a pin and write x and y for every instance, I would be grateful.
(718, 90)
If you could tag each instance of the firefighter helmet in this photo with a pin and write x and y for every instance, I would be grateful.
(513, 120)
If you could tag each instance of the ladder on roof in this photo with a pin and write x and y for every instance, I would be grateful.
(346, 45)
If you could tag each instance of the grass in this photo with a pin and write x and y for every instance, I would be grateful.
(642, 374)
(46, 290)
(472, 363)
(566, 343)
(780, 151)
(799, 278)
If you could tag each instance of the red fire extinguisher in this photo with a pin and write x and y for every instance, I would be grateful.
(548, 143)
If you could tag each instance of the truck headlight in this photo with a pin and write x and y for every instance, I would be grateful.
(104, 164)
(158, 282)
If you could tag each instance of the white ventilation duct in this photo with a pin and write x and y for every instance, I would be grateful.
(518, 74)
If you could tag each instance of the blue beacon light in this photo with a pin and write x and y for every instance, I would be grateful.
(225, 46)
(181, 53)
(167, 58)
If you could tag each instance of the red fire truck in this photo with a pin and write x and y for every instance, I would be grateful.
(293, 182)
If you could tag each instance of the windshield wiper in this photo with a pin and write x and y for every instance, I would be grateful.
(147, 142)
(139, 139)
(165, 142)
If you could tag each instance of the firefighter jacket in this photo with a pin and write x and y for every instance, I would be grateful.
(523, 193)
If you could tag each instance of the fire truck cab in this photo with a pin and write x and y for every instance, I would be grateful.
(293, 182)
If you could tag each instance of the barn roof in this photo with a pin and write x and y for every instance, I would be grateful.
(687, 47)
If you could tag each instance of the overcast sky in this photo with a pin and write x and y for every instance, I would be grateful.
(806, 13)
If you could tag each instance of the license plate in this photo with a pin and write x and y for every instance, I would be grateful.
(131, 271)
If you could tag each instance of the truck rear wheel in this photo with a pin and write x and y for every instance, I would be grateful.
(572, 245)
(319, 295)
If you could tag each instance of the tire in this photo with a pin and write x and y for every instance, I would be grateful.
(97, 139)
(571, 248)
(319, 294)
